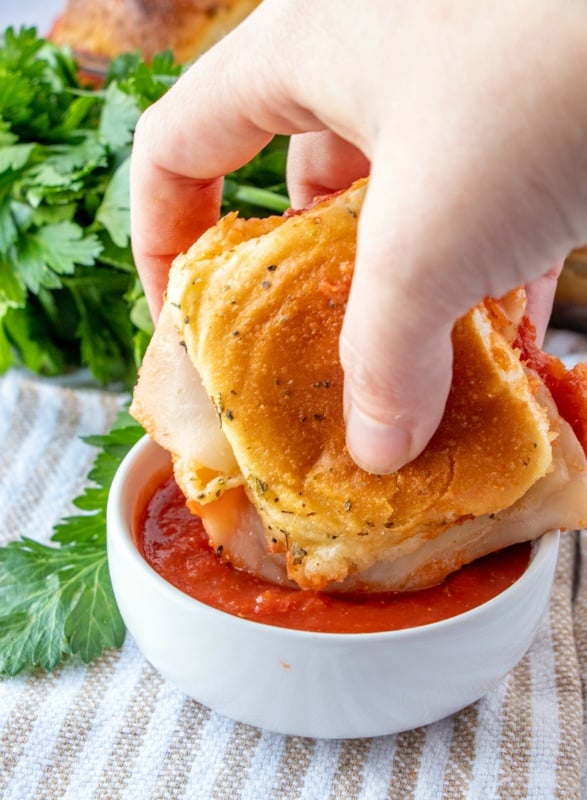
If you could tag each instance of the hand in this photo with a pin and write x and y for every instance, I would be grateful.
(471, 121)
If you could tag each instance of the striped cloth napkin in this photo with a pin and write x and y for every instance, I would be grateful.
(116, 730)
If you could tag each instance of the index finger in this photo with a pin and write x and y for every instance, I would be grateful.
(168, 212)
(217, 116)
(176, 180)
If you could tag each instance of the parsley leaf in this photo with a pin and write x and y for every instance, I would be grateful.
(56, 599)
(64, 206)
(53, 250)
(51, 600)
(114, 211)
(69, 297)
(119, 117)
(64, 209)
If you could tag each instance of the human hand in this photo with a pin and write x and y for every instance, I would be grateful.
(470, 119)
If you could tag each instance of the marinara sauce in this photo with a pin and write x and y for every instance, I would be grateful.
(175, 544)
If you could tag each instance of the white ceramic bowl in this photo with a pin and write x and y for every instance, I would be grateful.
(315, 684)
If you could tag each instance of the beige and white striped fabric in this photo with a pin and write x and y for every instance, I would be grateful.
(116, 730)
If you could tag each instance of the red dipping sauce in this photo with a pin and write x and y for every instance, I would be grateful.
(175, 544)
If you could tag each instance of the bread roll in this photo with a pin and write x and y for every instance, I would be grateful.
(101, 29)
(258, 306)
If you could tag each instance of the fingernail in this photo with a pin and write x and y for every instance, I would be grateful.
(376, 446)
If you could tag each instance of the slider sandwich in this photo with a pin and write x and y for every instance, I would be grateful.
(242, 384)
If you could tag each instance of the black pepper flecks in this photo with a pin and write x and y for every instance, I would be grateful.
(298, 554)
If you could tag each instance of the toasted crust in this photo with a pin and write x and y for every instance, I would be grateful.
(260, 304)
(106, 28)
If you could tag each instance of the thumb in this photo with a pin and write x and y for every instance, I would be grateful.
(395, 347)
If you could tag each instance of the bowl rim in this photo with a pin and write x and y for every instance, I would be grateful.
(543, 548)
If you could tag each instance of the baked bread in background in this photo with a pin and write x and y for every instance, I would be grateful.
(98, 30)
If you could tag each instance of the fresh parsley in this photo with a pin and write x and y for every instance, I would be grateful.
(69, 298)
(56, 599)
(69, 293)
(67, 277)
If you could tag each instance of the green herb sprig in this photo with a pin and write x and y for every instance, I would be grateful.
(56, 599)
(69, 292)
(70, 297)
(68, 285)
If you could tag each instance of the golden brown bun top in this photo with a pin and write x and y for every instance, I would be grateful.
(102, 29)
(260, 305)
